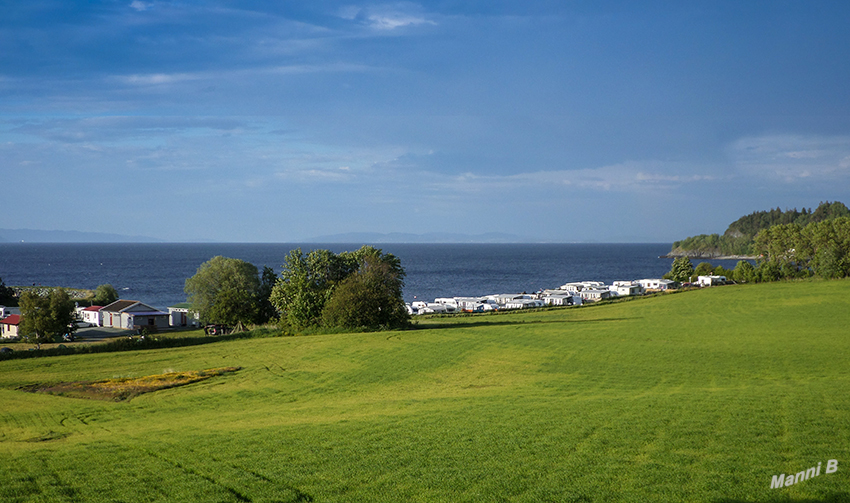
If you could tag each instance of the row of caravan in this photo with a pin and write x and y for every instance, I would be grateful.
(448, 305)
(569, 294)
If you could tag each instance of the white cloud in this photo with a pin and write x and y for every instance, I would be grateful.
(396, 20)
(630, 177)
(790, 158)
(315, 175)
(387, 17)
(154, 79)
(141, 6)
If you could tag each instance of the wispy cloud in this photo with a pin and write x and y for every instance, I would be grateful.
(112, 128)
(791, 158)
(141, 6)
(388, 17)
(632, 177)
(155, 79)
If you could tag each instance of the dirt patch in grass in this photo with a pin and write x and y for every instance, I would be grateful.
(125, 388)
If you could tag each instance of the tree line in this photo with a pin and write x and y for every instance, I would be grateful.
(739, 238)
(786, 251)
(352, 290)
(359, 290)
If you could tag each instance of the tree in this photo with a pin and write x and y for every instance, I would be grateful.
(768, 271)
(7, 295)
(43, 319)
(745, 272)
(266, 311)
(681, 270)
(307, 282)
(369, 298)
(722, 271)
(104, 295)
(225, 291)
(702, 269)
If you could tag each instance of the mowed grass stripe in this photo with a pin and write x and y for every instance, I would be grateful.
(699, 396)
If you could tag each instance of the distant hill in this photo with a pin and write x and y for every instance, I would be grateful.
(40, 236)
(738, 239)
(401, 237)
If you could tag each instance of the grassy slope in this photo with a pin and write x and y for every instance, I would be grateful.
(700, 396)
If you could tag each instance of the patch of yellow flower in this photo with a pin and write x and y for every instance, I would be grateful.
(124, 388)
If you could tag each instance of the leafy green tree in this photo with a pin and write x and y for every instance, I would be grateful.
(43, 319)
(722, 271)
(369, 298)
(831, 263)
(7, 294)
(702, 269)
(307, 282)
(104, 295)
(769, 271)
(744, 272)
(266, 310)
(225, 291)
(681, 270)
(830, 246)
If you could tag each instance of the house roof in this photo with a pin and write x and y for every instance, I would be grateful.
(119, 305)
(93, 308)
(182, 305)
(12, 319)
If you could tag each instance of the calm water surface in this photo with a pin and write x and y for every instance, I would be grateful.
(155, 273)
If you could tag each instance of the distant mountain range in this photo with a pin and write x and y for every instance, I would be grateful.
(431, 237)
(39, 236)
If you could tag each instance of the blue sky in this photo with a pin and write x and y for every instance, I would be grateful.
(266, 121)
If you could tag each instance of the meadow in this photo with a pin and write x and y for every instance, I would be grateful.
(696, 396)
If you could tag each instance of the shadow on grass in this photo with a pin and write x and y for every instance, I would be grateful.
(490, 323)
(135, 343)
(832, 498)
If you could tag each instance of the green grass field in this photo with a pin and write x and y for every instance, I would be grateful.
(697, 396)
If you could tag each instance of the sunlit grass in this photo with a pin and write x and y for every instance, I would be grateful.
(699, 396)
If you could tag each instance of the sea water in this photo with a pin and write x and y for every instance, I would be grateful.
(155, 273)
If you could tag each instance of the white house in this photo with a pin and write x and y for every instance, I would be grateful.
(504, 298)
(9, 326)
(433, 308)
(624, 288)
(563, 299)
(523, 303)
(181, 315)
(711, 280)
(595, 294)
(90, 315)
(450, 303)
(132, 314)
(572, 287)
(475, 304)
(658, 284)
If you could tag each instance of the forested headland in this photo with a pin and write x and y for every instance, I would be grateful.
(785, 245)
(739, 239)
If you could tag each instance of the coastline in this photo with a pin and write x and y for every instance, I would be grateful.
(709, 256)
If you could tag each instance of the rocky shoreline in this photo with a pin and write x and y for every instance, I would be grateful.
(695, 254)
(43, 291)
